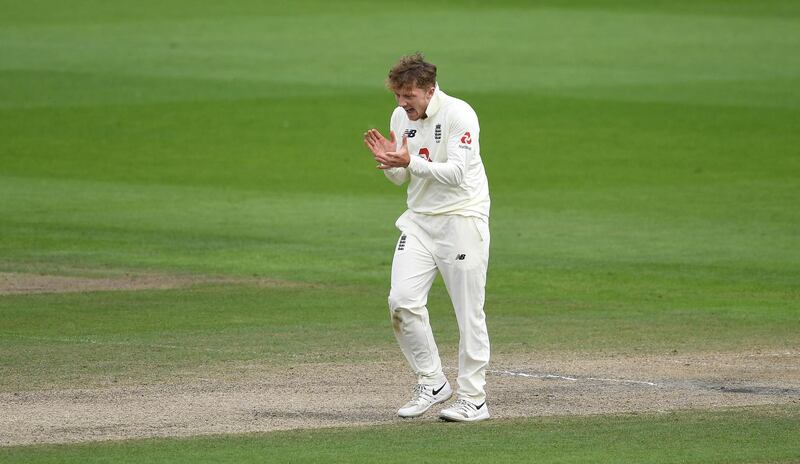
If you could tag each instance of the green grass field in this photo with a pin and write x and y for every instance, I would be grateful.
(712, 437)
(642, 156)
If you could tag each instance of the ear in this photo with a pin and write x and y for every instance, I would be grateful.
(431, 92)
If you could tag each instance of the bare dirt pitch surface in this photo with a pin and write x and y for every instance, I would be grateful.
(325, 395)
(12, 283)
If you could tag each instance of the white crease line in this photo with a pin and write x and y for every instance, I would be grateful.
(640, 382)
(535, 376)
(562, 377)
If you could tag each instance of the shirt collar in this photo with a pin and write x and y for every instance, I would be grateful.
(435, 103)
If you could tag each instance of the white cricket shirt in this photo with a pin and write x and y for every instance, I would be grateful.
(446, 171)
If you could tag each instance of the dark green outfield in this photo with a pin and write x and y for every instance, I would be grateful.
(720, 437)
(643, 160)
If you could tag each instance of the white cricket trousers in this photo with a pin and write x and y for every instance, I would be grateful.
(458, 248)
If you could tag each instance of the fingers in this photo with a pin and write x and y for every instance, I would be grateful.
(375, 135)
(370, 144)
(384, 150)
(387, 158)
(382, 158)
(373, 142)
(370, 136)
(376, 138)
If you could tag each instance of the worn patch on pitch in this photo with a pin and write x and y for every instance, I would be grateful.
(13, 283)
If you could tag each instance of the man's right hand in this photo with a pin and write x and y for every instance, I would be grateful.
(378, 144)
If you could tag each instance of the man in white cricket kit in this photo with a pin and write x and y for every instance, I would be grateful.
(434, 145)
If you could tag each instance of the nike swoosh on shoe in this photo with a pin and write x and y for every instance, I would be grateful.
(436, 392)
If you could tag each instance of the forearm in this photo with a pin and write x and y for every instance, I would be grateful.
(449, 173)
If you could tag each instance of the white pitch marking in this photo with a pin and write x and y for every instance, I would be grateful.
(536, 376)
(640, 382)
(562, 377)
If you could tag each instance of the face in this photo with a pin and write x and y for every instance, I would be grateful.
(414, 100)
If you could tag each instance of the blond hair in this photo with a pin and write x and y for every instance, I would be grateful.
(412, 71)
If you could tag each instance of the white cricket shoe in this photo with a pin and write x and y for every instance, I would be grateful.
(465, 411)
(424, 397)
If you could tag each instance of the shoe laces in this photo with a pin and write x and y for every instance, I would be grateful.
(464, 406)
(419, 392)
